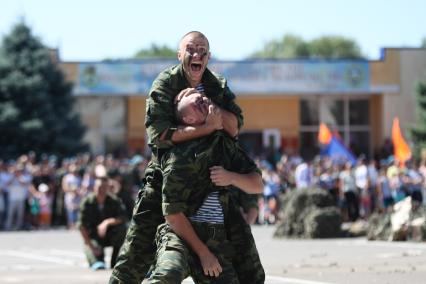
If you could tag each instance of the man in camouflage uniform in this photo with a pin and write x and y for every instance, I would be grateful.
(138, 251)
(102, 222)
(195, 184)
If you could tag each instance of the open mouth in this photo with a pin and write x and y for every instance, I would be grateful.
(195, 67)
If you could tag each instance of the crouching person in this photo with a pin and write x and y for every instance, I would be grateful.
(102, 223)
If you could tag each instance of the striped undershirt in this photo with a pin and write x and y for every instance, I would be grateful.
(210, 211)
(200, 88)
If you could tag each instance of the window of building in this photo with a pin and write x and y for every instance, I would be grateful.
(348, 117)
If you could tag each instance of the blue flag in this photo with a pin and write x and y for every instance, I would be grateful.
(337, 151)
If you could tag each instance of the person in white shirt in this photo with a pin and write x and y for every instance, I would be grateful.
(303, 175)
(362, 182)
(19, 188)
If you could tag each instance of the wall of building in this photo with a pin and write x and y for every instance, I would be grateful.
(105, 118)
(115, 119)
(262, 112)
(413, 70)
(136, 136)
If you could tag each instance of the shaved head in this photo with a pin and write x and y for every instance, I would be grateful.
(195, 34)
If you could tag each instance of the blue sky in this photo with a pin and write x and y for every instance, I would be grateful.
(93, 29)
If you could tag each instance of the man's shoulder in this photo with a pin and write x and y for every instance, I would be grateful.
(170, 76)
(211, 77)
(90, 198)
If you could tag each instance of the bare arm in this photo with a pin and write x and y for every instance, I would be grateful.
(184, 133)
(251, 216)
(183, 228)
(87, 241)
(103, 227)
(250, 183)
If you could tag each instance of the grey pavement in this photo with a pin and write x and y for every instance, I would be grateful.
(56, 257)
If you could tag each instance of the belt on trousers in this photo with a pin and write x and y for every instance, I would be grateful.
(210, 230)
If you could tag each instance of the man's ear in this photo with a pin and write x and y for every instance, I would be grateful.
(179, 55)
(209, 55)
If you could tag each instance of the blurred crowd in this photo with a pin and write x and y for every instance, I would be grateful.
(358, 188)
(45, 192)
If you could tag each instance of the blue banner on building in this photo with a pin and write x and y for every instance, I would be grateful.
(244, 77)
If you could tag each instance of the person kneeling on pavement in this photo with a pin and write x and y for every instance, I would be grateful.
(102, 222)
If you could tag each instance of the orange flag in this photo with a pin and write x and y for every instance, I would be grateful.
(402, 151)
(324, 134)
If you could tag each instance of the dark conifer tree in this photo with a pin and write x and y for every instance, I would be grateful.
(36, 104)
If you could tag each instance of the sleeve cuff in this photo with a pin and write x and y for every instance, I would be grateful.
(173, 208)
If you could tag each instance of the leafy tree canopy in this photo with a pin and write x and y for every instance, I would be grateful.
(292, 46)
(156, 51)
(36, 104)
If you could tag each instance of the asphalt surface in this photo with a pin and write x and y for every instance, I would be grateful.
(56, 256)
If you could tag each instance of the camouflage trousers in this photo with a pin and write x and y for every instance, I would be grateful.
(246, 259)
(176, 261)
(114, 237)
(138, 251)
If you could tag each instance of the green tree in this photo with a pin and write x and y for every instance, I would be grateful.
(36, 105)
(418, 132)
(156, 51)
(290, 46)
(328, 47)
(334, 47)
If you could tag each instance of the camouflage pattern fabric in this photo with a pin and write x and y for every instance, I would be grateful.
(114, 238)
(175, 261)
(186, 171)
(186, 183)
(90, 217)
(138, 250)
(246, 201)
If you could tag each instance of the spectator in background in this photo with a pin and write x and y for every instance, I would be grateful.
(88, 181)
(384, 191)
(19, 187)
(285, 172)
(71, 186)
(373, 176)
(422, 171)
(361, 181)
(328, 182)
(271, 191)
(304, 175)
(45, 200)
(397, 185)
(414, 182)
(5, 177)
(348, 192)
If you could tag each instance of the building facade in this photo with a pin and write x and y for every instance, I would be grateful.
(283, 100)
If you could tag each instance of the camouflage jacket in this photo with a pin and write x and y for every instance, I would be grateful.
(186, 171)
(160, 102)
(91, 216)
